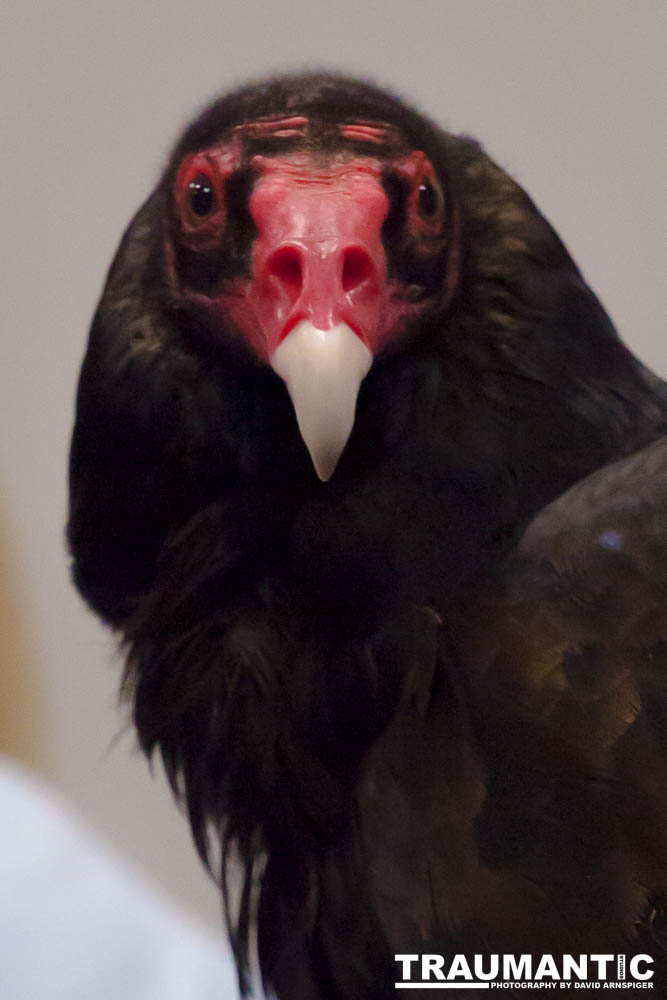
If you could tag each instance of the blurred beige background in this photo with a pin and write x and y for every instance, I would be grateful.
(569, 95)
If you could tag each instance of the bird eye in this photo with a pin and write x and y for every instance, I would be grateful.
(430, 200)
(201, 196)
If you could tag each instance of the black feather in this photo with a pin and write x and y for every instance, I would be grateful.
(426, 708)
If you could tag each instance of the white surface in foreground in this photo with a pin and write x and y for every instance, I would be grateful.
(76, 923)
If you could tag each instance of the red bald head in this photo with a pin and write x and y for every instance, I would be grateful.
(316, 257)
(318, 251)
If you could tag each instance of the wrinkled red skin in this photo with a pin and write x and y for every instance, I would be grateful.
(318, 254)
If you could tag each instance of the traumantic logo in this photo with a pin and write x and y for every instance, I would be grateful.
(506, 972)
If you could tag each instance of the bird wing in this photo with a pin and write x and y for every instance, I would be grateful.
(519, 797)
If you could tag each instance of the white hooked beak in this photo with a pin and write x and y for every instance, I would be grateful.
(323, 370)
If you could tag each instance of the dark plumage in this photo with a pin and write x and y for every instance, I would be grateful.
(424, 701)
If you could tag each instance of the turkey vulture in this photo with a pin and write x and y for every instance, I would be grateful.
(375, 498)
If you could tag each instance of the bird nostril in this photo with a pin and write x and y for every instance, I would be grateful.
(357, 268)
(285, 265)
